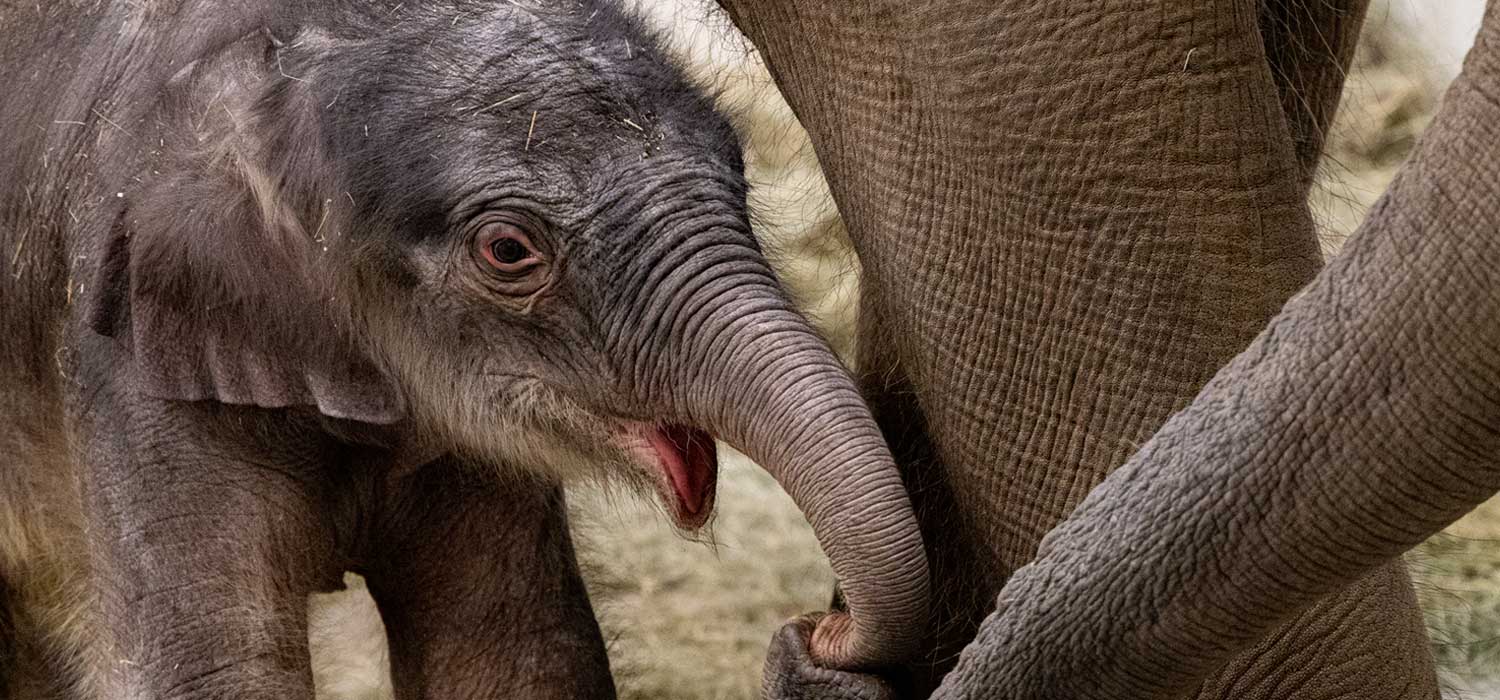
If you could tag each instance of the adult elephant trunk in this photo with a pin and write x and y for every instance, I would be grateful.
(725, 351)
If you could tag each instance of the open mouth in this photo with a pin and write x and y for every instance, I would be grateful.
(685, 464)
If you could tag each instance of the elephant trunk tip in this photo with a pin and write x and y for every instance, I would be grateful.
(837, 643)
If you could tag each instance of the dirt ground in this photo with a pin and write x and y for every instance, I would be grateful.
(690, 620)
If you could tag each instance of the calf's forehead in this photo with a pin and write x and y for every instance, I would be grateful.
(573, 96)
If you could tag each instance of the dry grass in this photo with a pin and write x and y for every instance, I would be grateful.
(1458, 582)
(688, 621)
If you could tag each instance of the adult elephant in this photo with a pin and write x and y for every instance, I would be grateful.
(1070, 215)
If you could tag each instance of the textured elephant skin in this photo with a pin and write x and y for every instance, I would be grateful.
(1070, 215)
(791, 672)
(1363, 419)
(294, 288)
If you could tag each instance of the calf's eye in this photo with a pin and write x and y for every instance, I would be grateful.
(507, 248)
(508, 251)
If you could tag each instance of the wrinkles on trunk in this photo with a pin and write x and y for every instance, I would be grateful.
(1069, 215)
(722, 349)
(784, 400)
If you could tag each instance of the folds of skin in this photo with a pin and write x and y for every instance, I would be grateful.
(714, 342)
(771, 387)
(1070, 215)
(1363, 419)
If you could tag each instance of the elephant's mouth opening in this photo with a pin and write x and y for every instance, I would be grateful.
(683, 462)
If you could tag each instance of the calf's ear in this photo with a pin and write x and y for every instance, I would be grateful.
(223, 274)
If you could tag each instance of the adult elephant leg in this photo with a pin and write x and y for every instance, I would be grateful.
(476, 580)
(1069, 216)
(1362, 420)
(7, 639)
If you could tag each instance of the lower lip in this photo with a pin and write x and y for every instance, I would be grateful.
(685, 466)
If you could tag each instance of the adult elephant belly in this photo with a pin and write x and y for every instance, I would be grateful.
(1070, 215)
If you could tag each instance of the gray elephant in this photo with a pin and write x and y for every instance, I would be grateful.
(1070, 215)
(294, 288)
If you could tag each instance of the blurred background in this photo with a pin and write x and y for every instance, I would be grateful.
(690, 619)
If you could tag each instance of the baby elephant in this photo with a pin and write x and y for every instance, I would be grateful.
(296, 287)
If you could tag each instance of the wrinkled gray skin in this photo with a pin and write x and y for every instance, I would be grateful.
(1070, 216)
(251, 317)
(1362, 420)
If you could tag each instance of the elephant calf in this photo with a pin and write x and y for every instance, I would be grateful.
(294, 288)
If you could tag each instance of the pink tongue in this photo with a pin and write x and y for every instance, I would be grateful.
(690, 460)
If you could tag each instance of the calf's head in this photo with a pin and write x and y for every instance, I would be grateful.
(520, 230)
